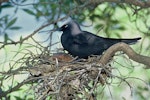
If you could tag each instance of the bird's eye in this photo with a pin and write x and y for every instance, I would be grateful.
(65, 26)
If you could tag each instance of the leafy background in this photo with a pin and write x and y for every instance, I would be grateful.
(26, 27)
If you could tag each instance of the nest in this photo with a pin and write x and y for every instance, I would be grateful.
(63, 77)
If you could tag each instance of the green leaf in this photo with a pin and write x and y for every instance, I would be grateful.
(17, 98)
(11, 23)
(21, 40)
(122, 28)
(29, 11)
(6, 38)
(23, 1)
(5, 5)
(15, 28)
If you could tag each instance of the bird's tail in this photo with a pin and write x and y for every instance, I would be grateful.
(130, 41)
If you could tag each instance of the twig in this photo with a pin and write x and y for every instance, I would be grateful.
(140, 3)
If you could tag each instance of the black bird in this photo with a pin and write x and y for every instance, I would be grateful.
(83, 44)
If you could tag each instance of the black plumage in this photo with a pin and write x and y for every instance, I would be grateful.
(83, 44)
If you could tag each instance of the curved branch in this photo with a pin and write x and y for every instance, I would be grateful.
(128, 51)
(140, 3)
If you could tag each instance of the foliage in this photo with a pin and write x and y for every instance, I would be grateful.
(110, 18)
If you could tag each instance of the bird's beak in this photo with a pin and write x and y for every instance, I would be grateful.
(58, 29)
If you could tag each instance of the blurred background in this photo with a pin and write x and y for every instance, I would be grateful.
(26, 28)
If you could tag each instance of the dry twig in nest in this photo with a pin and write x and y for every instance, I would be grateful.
(67, 79)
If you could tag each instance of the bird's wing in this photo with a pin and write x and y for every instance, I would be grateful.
(87, 38)
(97, 42)
(80, 39)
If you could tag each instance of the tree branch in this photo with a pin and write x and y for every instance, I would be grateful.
(140, 3)
(127, 50)
(1, 1)
(16, 87)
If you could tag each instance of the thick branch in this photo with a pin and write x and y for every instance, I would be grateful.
(127, 50)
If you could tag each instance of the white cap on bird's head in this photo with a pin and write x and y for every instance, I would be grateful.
(71, 27)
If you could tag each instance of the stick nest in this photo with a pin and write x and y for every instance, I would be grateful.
(62, 77)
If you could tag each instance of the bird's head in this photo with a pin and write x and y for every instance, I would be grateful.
(64, 27)
(71, 27)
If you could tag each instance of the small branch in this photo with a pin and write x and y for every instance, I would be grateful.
(140, 3)
(30, 36)
(15, 88)
(26, 38)
(128, 51)
(3, 44)
(2, 1)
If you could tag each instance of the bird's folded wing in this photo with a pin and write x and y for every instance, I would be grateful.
(80, 39)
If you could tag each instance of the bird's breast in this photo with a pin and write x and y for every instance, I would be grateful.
(66, 41)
